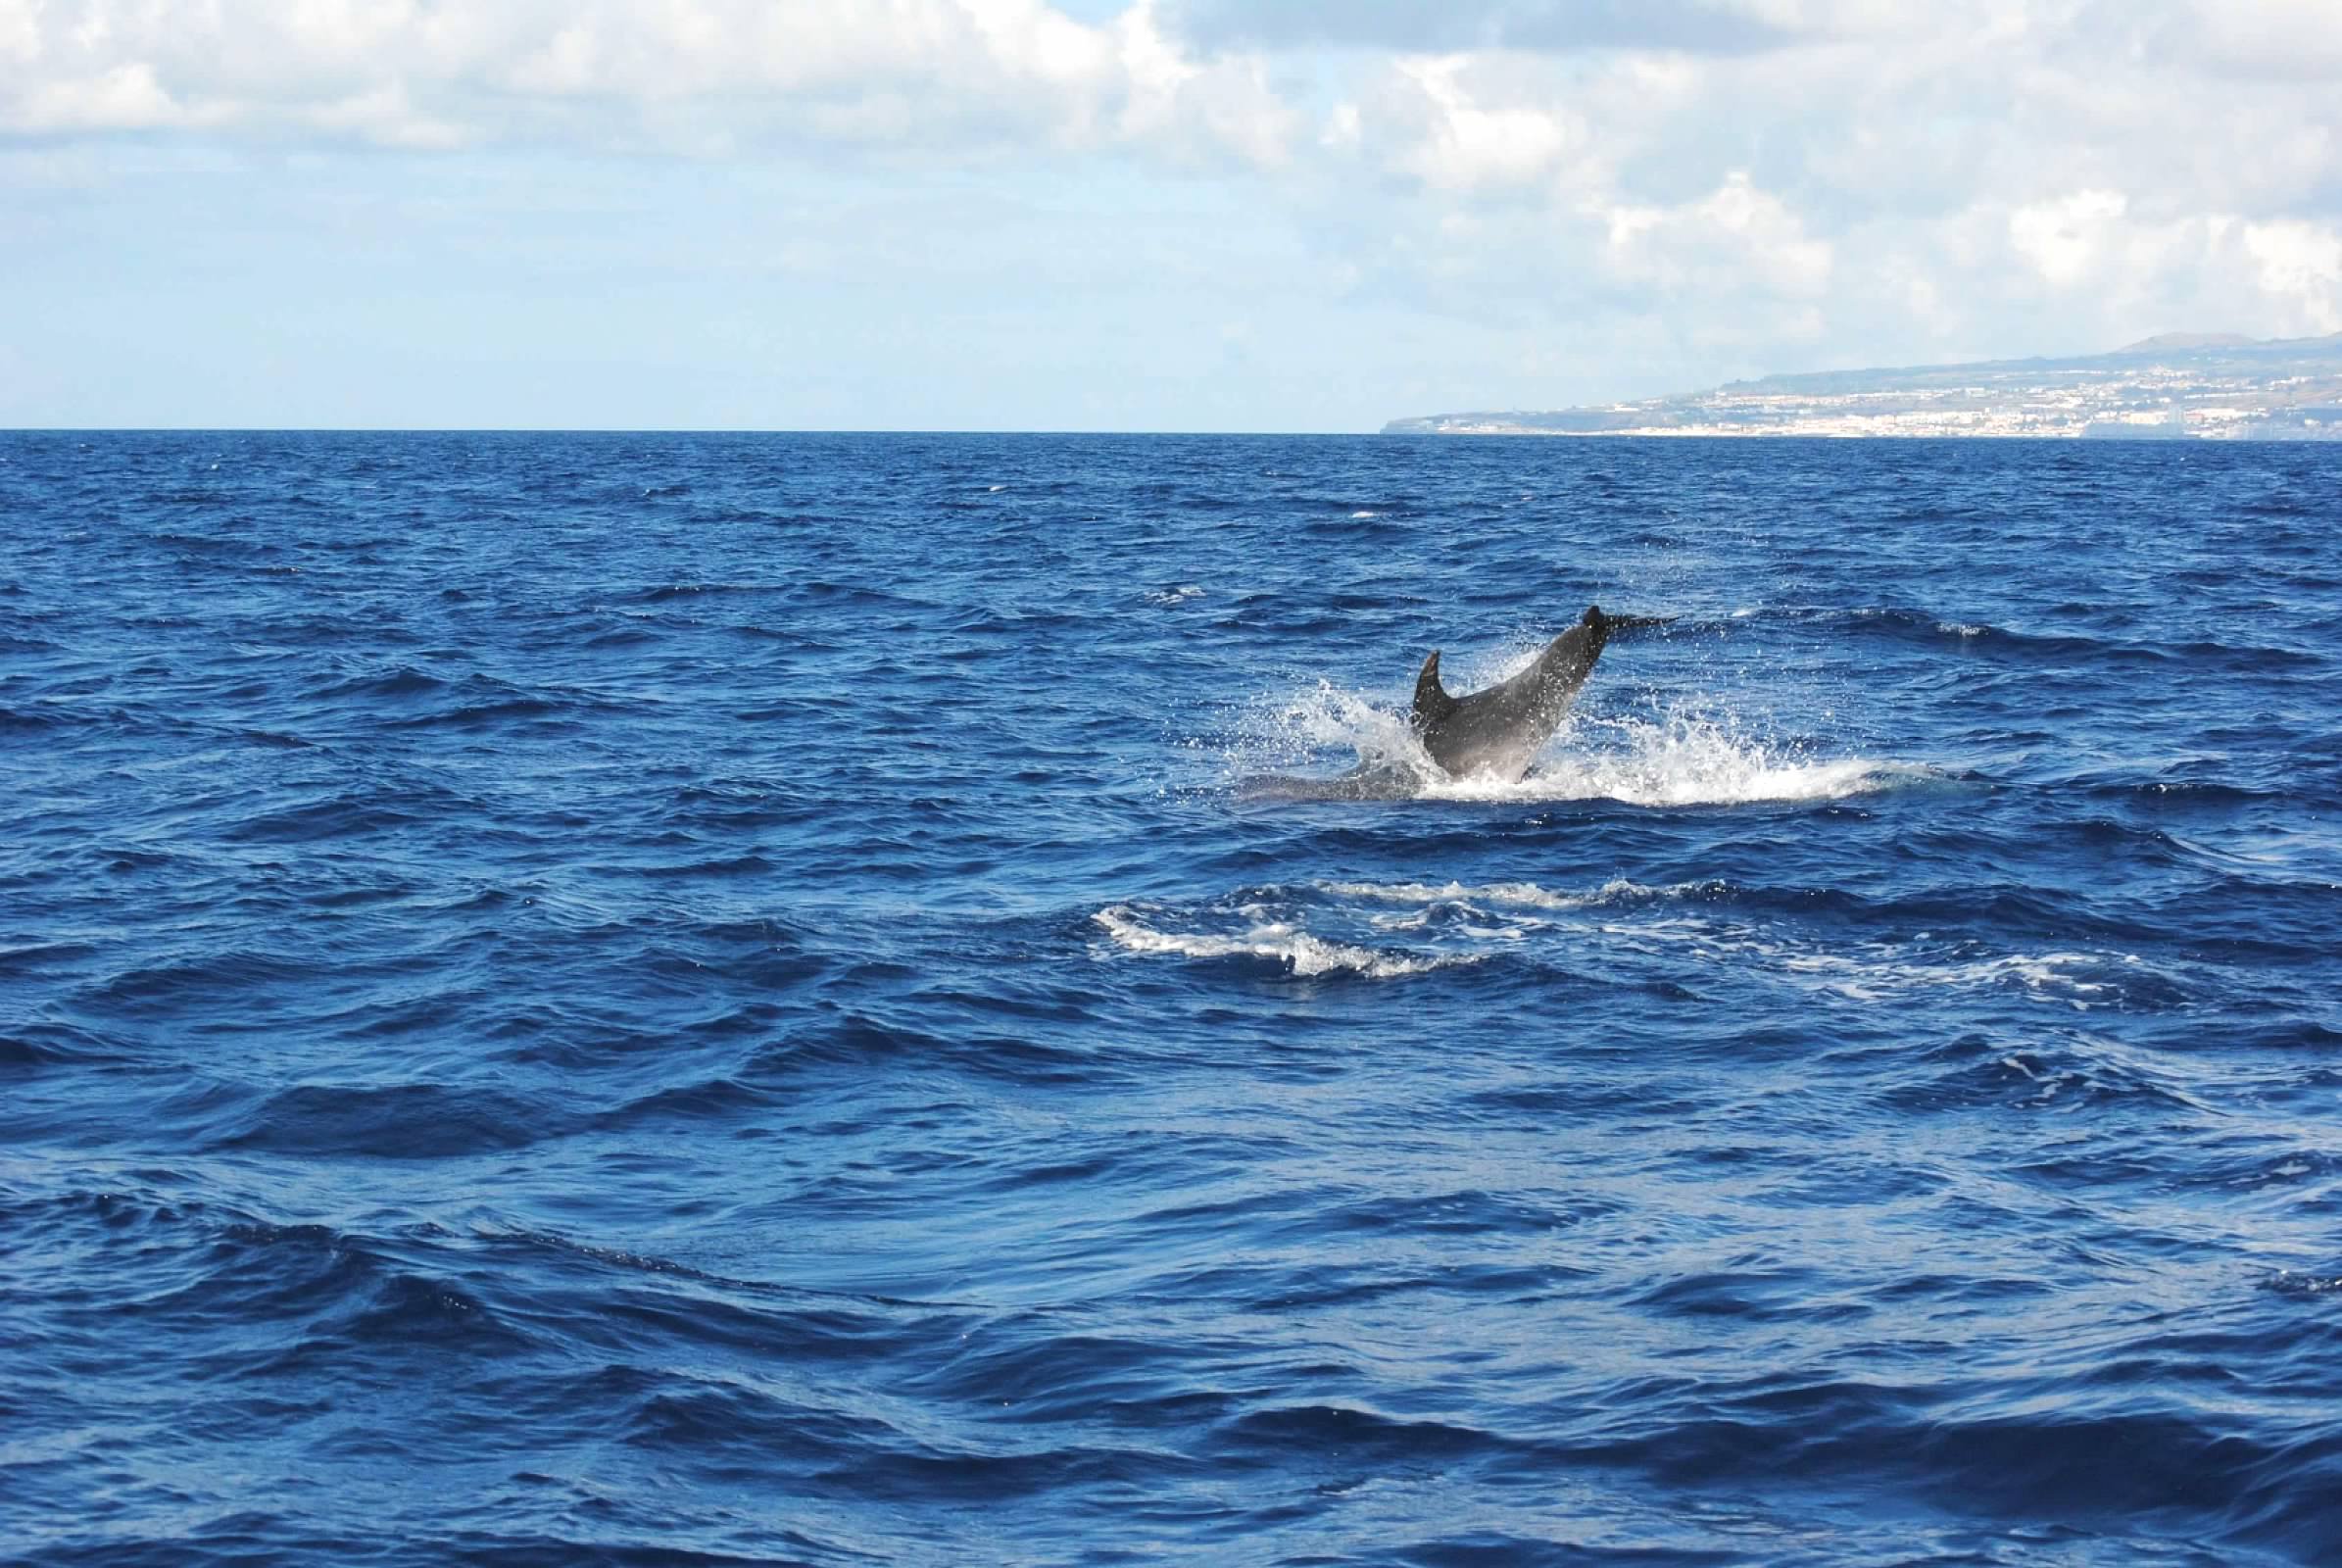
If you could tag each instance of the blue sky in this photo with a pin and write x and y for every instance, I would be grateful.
(1283, 215)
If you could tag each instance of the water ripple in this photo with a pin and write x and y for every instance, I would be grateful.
(652, 999)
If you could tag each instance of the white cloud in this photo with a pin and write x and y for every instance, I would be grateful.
(386, 117)
(1460, 144)
(118, 97)
(1693, 188)
(2299, 39)
(1171, 99)
(2301, 264)
(2064, 239)
(1981, 176)
(695, 76)
(1688, 27)
(1736, 240)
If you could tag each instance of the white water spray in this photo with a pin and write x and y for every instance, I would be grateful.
(1685, 754)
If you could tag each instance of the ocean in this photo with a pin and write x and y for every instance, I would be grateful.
(689, 999)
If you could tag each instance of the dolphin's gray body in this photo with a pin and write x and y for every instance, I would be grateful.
(1495, 733)
(1498, 733)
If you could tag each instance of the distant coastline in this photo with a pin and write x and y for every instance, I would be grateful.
(2181, 385)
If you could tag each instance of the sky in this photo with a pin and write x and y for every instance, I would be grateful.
(1165, 214)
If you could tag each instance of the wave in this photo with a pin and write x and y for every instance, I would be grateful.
(1881, 971)
(686, 1020)
(1516, 895)
(2081, 634)
(1276, 942)
(1381, 930)
(393, 1121)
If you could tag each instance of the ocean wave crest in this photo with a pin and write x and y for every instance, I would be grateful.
(1282, 943)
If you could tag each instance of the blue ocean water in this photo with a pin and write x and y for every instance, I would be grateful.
(696, 999)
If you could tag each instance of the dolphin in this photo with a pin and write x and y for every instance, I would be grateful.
(1496, 733)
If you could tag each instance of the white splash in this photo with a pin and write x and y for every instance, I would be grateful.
(1500, 895)
(1328, 718)
(1275, 941)
(1876, 971)
(1877, 975)
(1683, 756)
(1679, 760)
(1384, 929)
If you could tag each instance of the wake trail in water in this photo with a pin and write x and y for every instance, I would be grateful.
(1281, 943)
(1384, 930)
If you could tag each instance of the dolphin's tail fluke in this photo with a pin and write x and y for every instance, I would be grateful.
(1615, 624)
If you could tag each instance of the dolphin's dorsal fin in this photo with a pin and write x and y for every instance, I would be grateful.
(1432, 702)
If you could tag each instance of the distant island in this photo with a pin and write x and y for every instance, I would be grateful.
(2182, 385)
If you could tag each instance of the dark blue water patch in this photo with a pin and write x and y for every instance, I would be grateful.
(716, 999)
(406, 1120)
